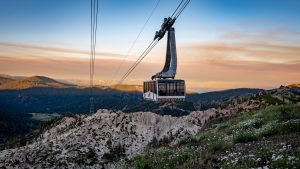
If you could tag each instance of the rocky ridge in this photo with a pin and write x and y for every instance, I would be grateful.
(96, 138)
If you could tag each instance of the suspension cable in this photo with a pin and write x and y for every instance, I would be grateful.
(142, 56)
(183, 7)
(134, 42)
(94, 23)
(146, 51)
(176, 8)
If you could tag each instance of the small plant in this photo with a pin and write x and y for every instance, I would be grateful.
(290, 126)
(244, 137)
(206, 135)
(180, 158)
(223, 126)
(217, 145)
(269, 130)
(271, 100)
(251, 123)
(281, 128)
(140, 162)
(188, 141)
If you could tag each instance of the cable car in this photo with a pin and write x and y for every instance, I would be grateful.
(164, 90)
(164, 86)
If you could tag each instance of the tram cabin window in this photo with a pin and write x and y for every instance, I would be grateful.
(171, 88)
(150, 86)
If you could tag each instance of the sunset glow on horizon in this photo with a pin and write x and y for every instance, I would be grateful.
(220, 45)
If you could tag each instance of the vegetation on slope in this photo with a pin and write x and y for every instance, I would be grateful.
(268, 137)
(12, 125)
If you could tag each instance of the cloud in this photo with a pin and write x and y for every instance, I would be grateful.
(70, 68)
(281, 36)
(269, 53)
(13, 47)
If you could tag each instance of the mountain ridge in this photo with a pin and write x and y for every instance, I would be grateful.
(33, 81)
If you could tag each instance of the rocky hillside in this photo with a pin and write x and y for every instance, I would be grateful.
(266, 138)
(107, 139)
(264, 133)
(101, 139)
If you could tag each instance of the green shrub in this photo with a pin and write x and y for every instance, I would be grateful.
(271, 100)
(217, 145)
(244, 137)
(270, 129)
(161, 158)
(188, 141)
(208, 134)
(180, 158)
(280, 113)
(223, 126)
(250, 123)
(140, 162)
(290, 126)
(289, 112)
(281, 128)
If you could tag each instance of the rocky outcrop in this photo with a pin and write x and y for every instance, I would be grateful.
(100, 140)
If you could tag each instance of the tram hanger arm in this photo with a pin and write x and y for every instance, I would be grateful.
(169, 22)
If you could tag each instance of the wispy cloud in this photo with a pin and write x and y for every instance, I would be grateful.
(245, 51)
(63, 52)
(283, 36)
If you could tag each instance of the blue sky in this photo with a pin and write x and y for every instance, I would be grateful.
(67, 21)
(212, 27)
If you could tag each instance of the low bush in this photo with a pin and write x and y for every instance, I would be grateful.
(188, 141)
(244, 137)
(281, 128)
(217, 145)
(140, 162)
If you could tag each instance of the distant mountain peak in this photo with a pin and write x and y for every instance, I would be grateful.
(43, 79)
(33, 81)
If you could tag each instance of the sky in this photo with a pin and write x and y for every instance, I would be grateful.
(220, 44)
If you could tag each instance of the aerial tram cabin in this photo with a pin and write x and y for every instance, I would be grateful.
(164, 86)
(164, 90)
